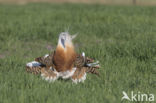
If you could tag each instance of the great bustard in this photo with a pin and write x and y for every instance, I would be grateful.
(64, 62)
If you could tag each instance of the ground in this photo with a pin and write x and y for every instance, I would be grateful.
(110, 2)
(122, 38)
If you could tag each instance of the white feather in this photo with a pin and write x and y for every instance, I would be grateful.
(83, 54)
(46, 55)
(33, 63)
(80, 80)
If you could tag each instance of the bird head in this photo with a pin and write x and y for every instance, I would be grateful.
(66, 39)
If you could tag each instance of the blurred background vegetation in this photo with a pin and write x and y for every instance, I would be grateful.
(113, 2)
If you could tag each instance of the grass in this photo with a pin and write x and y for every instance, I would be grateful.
(122, 38)
(108, 2)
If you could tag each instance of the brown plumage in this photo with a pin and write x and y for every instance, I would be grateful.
(92, 70)
(79, 73)
(48, 74)
(46, 60)
(34, 70)
(80, 62)
(63, 62)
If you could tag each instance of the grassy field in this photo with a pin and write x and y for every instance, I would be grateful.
(108, 2)
(122, 38)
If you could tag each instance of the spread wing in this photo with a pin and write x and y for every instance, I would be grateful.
(80, 62)
(46, 60)
(88, 63)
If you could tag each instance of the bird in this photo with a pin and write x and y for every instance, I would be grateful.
(64, 62)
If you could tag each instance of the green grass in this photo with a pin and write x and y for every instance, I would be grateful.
(122, 38)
